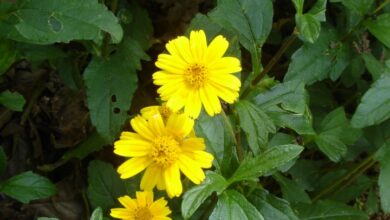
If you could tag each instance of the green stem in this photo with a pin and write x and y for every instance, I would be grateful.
(205, 215)
(271, 63)
(347, 179)
(105, 49)
(237, 143)
(381, 6)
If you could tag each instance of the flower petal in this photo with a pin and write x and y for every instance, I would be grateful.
(226, 94)
(180, 124)
(135, 147)
(140, 125)
(180, 47)
(159, 208)
(193, 105)
(216, 49)
(172, 181)
(202, 158)
(150, 177)
(133, 166)
(127, 202)
(225, 65)
(121, 213)
(210, 100)
(198, 45)
(192, 144)
(227, 80)
(190, 169)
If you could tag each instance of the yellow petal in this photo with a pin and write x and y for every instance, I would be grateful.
(121, 213)
(159, 208)
(163, 77)
(225, 65)
(127, 202)
(132, 148)
(144, 198)
(156, 124)
(190, 169)
(216, 49)
(198, 44)
(140, 125)
(150, 177)
(193, 105)
(133, 166)
(180, 47)
(169, 65)
(172, 181)
(210, 100)
(202, 158)
(228, 95)
(227, 80)
(192, 144)
(180, 124)
(176, 102)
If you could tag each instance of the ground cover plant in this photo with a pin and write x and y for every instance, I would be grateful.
(196, 109)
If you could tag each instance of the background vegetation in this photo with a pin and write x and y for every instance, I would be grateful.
(308, 139)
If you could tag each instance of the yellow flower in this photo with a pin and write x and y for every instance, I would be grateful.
(163, 150)
(195, 74)
(142, 208)
(149, 111)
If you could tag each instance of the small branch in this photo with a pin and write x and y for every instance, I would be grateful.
(271, 63)
(205, 215)
(239, 150)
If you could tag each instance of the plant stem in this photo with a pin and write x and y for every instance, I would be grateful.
(205, 215)
(271, 63)
(348, 178)
(105, 50)
(237, 143)
(381, 6)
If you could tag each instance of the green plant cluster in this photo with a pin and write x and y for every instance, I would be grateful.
(310, 143)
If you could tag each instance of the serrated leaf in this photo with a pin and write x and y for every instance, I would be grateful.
(292, 191)
(117, 75)
(253, 167)
(97, 214)
(374, 66)
(342, 57)
(308, 26)
(383, 155)
(218, 140)
(313, 62)
(28, 186)
(380, 28)
(374, 107)
(331, 146)
(12, 100)
(272, 207)
(7, 55)
(328, 210)
(195, 196)
(256, 125)
(291, 95)
(251, 20)
(47, 22)
(105, 185)
(232, 205)
(360, 7)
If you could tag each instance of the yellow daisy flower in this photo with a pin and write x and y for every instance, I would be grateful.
(195, 74)
(163, 150)
(142, 208)
(163, 109)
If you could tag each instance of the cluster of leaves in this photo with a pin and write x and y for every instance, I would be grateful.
(296, 145)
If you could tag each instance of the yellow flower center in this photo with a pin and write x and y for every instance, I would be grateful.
(165, 150)
(195, 75)
(165, 112)
(143, 213)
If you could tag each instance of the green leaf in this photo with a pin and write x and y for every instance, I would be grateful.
(328, 210)
(28, 186)
(360, 7)
(253, 167)
(298, 4)
(318, 10)
(105, 185)
(256, 125)
(292, 191)
(7, 55)
(308, 26)
(313, 62)
(343, 54)
(232, 205)
(47, 22)
(218, 140)
(299, 122)
(272, 207)
(12, 100)
(195, 196)
(3, 160)
(331, 146)
(117, 75)
(380, 28)
(291, 95)
(97, 214)
(374, 107)
(374, 66)
(250, 20)
(383, 155)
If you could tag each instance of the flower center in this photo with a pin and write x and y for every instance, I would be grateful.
(165, 111)
(143, 213)
(165, 150)
(195, 75)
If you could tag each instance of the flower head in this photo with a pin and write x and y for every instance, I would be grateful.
(164, 149)
(195, 74)
(150, 111)
(141, 208)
